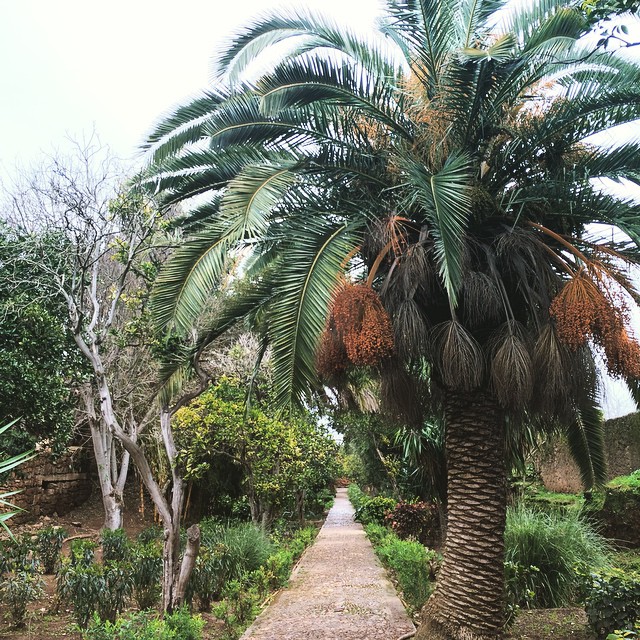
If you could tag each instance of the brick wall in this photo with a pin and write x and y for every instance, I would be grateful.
(49, 486)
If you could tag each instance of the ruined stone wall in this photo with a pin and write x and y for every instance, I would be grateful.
(622, 452)
(49, 486)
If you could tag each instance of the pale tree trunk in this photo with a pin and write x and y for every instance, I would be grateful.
(468, 602)
(175, 573)
(111, 484)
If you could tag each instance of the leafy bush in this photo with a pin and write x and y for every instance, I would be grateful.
(247, 546)
(49, 542)
(374, 509)
(146, 572)
(115, 545)
(409, 562)
(356, 495)
(94, 588)
(626, 634)
(613, 601)
(83, 552)
(239, 606)
(209, 575)
(415, 520)
(17, 590)
(145, 625)
(377, 533)
(278, 568)
(150, 534)
(17, 554)
(552, 549)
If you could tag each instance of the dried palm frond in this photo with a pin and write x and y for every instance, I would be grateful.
(411, 328)
(458, 357)
(511, 368)
(552, 380)
(481, 300)
(400, 394)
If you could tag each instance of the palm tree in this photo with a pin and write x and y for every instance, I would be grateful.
(417, 201)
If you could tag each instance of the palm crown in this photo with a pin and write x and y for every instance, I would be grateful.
(444, 159)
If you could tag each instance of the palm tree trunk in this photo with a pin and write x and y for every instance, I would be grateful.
(468, 602)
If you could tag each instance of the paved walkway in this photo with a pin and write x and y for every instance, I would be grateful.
(338, 592)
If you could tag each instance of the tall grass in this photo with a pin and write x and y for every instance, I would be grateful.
(246, 547)
(551, 551)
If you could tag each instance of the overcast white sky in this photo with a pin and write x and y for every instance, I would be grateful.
(69, 67)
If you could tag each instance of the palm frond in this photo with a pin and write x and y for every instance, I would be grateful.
(297, 314)
(301, 82)
(446, 200)
(585, 435)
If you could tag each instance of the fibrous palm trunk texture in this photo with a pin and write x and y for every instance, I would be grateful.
(339, 591)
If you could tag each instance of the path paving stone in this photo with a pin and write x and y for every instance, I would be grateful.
(339, 591)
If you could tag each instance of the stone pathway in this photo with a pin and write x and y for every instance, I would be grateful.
(339, 591)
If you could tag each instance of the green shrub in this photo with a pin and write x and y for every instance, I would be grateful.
(83, 552)
(115, 545)
(94, 588)
(247, 546)
(18, 555)
(49, 542)
(377, 533)
(146, 625)
(552, 549)
(239, 606)
(146, 572)
(278, 568)
(613, 601)
(209, 575)
(300, 540)
(409, 562)
(374, 509)
(17, 590)
(183, 625)
(150, 534)
(414, 520)
(356, 495)
(626, 634)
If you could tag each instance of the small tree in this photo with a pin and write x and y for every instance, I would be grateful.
(81, 243)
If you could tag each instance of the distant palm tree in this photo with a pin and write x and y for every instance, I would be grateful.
(444, 159)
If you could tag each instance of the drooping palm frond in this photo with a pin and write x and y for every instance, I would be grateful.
(586, 442)
(306, 32)
(308, 275)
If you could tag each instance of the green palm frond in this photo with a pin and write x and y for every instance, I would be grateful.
(472, 17)
(308, 274)
(585, 436)
(305, 81)
(187, 281)
(446, 199)
(306, 33)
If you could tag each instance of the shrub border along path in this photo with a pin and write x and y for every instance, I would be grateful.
(339, 591)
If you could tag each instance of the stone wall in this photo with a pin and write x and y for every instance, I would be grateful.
(49, 486)
(622, 452)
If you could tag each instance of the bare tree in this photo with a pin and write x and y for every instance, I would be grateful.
(93, 240)
(86, 238)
